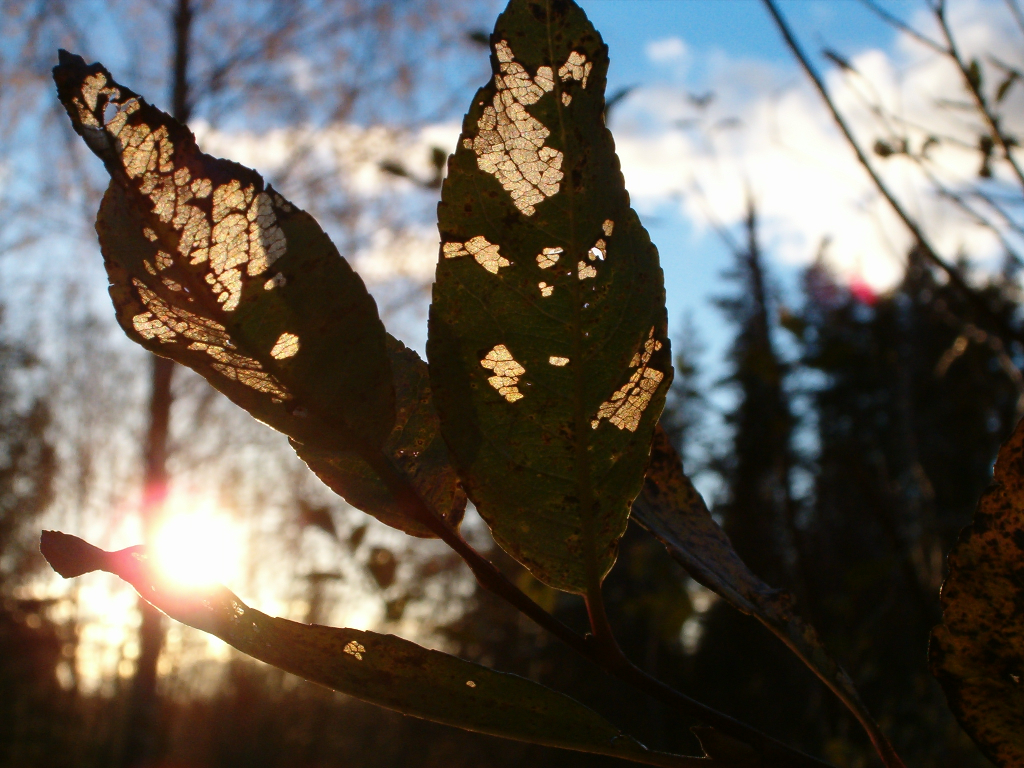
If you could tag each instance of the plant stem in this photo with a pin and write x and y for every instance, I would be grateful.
(1016, 12)
(979, 302)
(603, 638)
(774, 753)
(974, 87)
(894, 21)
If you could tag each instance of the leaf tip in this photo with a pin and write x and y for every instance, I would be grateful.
(69, 555)
(67, 63)
(67, 59)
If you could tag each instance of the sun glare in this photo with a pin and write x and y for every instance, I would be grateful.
(199, 548)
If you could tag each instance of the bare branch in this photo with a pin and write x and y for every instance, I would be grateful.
(973, 296)
(607, 657)
(959, 199)
(978, 217)
(902, 26)
(974, 87)
(991, 202)
(1018, 14)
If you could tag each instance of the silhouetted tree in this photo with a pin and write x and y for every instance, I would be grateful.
(30, 644)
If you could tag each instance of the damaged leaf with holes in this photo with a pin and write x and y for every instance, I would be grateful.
(211, 267)
(977, 652)
(380, 669)
(415, 447)
(548, 352)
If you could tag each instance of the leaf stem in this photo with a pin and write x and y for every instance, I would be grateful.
(774, 753)
(897, 23)
(603, 637)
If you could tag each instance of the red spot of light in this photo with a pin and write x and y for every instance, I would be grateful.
(862, 292)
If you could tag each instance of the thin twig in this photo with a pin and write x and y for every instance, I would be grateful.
(979, 218)
(974, 87)
(959, 200)
(888, 118)
(976, 299)
(990, 201)
(902, 26)
(610, 659)
(1017, 13)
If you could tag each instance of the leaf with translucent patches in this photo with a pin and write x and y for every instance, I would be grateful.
(415, 446)
(977, 652)
(214, 269)
(674, 512)
(381, 669)
(211, 267)
(548, 352)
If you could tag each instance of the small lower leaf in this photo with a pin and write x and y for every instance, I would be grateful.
(977, 652)
(672, 509)
(381, 669)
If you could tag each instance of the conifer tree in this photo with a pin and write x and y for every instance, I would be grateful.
(30, 645)
(759, 502)
(738, 664)
(915, 405)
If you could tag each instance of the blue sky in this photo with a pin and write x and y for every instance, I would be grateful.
(786, 147)
(769, 132)
(783, 145)
(713, 29)
(675, 47)
(739, 28)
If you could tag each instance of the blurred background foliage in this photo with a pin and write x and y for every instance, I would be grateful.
(857, 432)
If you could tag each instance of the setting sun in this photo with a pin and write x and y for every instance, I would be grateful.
(198, 548)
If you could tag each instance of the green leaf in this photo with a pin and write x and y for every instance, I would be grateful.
(214, 269)
(382, 565)
(977, 652)
(415, 446)
(381, 669)
(974, 74)
(548, 352)
(1004, 87)
(674, 512)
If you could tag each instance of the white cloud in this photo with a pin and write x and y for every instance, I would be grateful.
(351, 153)
(769, 131)
(766, 131)
(390, 231)
(410, 253)
(669, 49)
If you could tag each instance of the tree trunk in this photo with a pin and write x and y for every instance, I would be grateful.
(140, 747)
